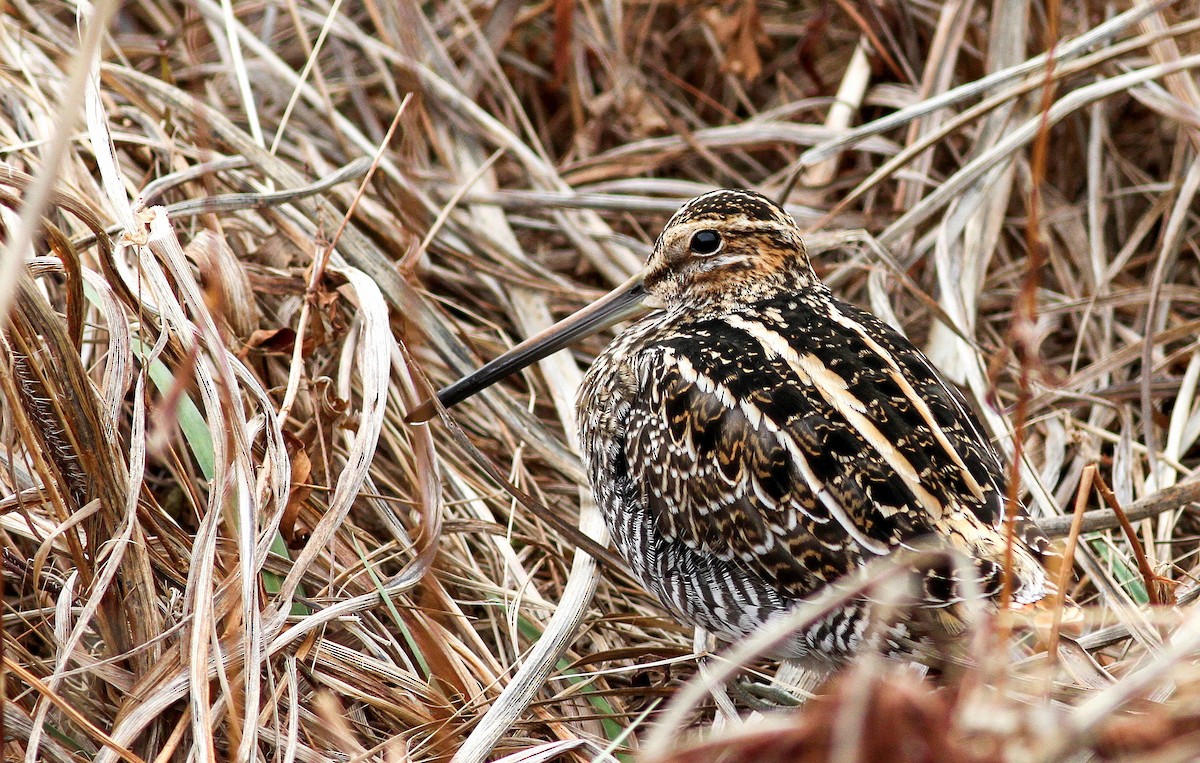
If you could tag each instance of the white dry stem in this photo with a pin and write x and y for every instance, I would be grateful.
(241, 76)
(118, 353)
(845, 105)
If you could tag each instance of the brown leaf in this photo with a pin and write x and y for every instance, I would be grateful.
(274, 341)
(301, 490)
(740, 34)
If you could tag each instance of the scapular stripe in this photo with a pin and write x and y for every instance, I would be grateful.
(756, 418)
(917, 401)
(810, 370)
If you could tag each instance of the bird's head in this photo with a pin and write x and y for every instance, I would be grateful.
(727, 245)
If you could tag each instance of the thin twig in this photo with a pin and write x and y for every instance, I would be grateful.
(1153, 587)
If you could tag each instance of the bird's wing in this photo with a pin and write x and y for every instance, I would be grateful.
(801, 438)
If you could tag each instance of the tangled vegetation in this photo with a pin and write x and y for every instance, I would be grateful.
(242, 240)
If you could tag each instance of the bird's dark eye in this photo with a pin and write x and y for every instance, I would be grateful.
(706, 242)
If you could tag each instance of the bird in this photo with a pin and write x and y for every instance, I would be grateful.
(752, 439)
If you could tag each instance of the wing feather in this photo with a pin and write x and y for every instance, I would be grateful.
(738, 452)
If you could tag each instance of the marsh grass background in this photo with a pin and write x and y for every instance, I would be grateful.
(243, 239)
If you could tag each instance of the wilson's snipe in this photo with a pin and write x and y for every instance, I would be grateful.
(754, 438)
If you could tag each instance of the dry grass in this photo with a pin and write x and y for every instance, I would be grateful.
(226, 279)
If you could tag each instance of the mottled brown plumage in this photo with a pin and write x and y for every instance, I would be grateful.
(755, 438)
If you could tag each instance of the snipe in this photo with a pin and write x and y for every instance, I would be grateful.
(754, 438)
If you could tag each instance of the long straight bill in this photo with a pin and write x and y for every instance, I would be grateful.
(617, 305)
